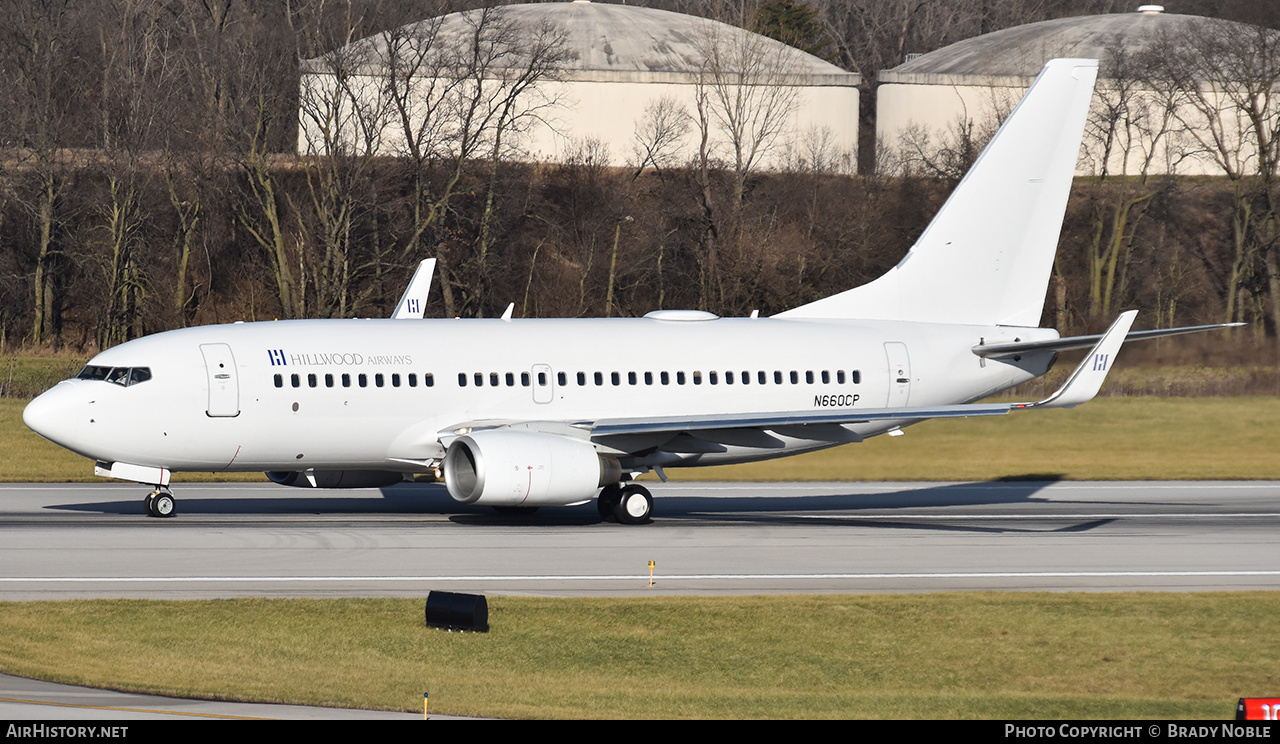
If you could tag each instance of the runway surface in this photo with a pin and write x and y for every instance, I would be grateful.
(230, 540)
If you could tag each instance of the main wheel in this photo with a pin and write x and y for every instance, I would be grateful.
(163, 505)
(635, 506)
(607, 503)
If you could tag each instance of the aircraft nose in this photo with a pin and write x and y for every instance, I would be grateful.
(52, 415)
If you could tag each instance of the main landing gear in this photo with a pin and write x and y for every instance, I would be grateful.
(630, 504)
(160, 503)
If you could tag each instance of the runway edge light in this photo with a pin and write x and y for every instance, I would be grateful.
(1258, 709)
(453, 611)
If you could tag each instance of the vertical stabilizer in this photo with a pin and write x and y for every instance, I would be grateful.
(986, 257)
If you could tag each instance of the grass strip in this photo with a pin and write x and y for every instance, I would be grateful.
(962, 655)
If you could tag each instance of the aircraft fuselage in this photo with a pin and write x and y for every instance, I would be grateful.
(377, 394)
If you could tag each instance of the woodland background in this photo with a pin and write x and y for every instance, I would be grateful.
(149, 179)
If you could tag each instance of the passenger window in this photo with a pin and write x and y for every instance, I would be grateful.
(665, 378)
(377, 379)
(697, 377)
(524, 379)
(826, 377)
(840, 376)
(762, 378)
(582, 378)
(714, 378)
(728, 378)
(429, 379)
(279, 381)
(346, 380)
(542, 379)
(328, 379)
(561, 379)
(493, 379)
(363, 379)
(746, 377)
(631, 378)
(614, 378)
(808, 377)
(395, 380)
(648, 378)
(295, 381)
(795, 377)
(511, 379)
(599, 378)
(856, 376)
(479, 379)
(413, 379)
(462, 379)
(311, 380)
(680, 378)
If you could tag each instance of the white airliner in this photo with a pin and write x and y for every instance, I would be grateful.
(527, 413)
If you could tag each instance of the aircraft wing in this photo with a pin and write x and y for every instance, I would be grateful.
(1080, 387)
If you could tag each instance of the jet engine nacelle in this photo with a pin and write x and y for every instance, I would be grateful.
(501, 467)
(334, 478)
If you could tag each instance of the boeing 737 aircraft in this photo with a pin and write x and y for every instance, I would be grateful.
(528, 413)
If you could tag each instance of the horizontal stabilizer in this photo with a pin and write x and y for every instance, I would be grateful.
(413, 304)
(1002, 351)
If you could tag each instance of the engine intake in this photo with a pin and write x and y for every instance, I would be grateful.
(501, 467)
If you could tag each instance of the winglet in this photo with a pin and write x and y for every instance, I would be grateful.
(414, 301)
(1087, 379)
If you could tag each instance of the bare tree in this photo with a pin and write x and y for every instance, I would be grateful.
(745, 100)
(1220, 79)
(747, 91)
(458, 94)
(137, 81)
(40, 40)
(660, 134)
(1127, 131)
(343, 119)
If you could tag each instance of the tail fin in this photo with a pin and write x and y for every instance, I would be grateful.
(986, 257)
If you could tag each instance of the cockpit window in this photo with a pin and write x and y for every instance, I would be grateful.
(91, 372)
(124, 376)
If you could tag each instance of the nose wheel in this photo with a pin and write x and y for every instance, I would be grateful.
(160, 503)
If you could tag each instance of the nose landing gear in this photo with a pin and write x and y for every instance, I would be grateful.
(160, 503)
